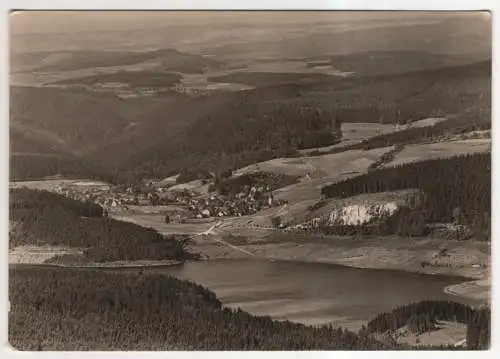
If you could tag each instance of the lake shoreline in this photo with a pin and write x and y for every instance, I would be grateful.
(391, 254)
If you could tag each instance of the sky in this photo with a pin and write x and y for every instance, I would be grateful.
(84, 21)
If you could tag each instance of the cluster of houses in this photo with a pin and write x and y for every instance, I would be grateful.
(249, 200)
(215, 205)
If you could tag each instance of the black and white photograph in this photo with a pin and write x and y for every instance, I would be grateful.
(249, 180)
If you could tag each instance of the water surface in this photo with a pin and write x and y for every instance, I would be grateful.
(313, 293)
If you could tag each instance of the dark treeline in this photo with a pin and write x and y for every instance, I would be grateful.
(266, 125)
(385, 158)
(422, 317)
(479, 330)
(28, 202)
(92, 310)
(453, 187)
(32, 167)
(43, 217)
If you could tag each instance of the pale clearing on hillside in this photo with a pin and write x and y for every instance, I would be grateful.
(448, 333)
(426, 122)
(362, 131)
(196, 185)
(172, 180)
(38, 254)
(52, 185)
(328, 165)
(364, 207)
(361, 214)
(430, 151)
(157, 222)
(353, 133)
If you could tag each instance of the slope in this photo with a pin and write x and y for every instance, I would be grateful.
(40, 217)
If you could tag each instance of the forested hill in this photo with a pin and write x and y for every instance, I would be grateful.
(453, 187)
(39, 217)
(173, 133)
(35, 166)
(238, 135)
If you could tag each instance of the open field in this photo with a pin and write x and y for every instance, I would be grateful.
(157, 222)
(51, 185)
(196, 185)
(327, 169)
(353, 133)
(39, 254)
(447, 333)
(323, 166)
(72, 257)
(429, 151)
(154, 209)
(361, 131)
(44, 78)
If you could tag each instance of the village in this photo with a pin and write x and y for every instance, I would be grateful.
(181, 204)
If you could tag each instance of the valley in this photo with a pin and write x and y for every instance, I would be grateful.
(220, 187)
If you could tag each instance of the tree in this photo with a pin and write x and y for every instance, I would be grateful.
(421, 323)
(226, 174)
(154, 199)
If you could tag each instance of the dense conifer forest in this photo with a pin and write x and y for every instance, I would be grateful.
(39, 217)
(31, 167)
(453, 187)
(238, 135)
